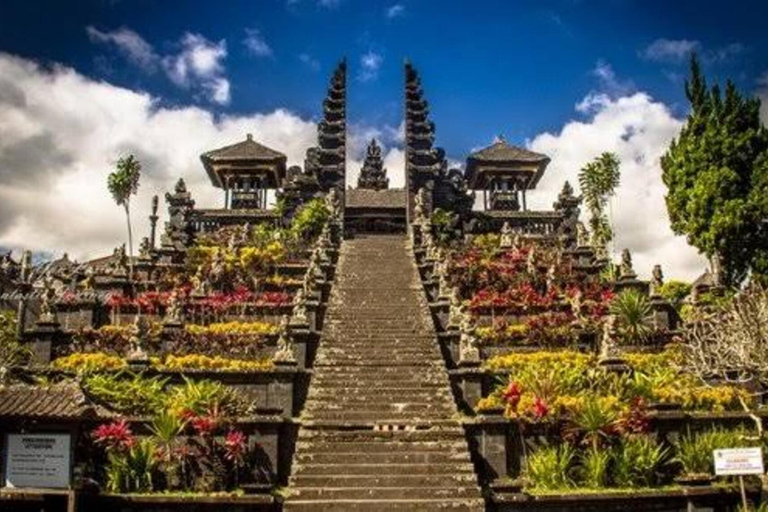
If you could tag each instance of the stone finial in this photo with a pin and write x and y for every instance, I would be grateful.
(567, 191)
(181, 187)
(507, 236)
(582, 235)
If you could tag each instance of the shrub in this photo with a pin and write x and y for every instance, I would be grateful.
(633, 312)
(216, 363)
(594, 468)
(638, 461)
(87, 363)
(132, 394)
(694, 451)
(132, 470)
(675, 291)
(12, 352)
(200, 397)
(551, 467)
(309, 219)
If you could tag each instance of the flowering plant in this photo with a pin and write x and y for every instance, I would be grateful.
(114, 436)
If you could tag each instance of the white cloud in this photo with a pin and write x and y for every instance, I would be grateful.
(199, 64)
(675, 51)
(670, 50)
(61, 133)
(395, 11)
(256, 44)
(131, 44)
(309, 61)
(638, 129)
(370, 63)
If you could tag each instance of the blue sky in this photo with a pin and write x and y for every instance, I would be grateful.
(512, 67)
(85, 82)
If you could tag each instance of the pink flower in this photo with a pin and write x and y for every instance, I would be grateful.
(116, 435)
(235, 444)
(204, 425)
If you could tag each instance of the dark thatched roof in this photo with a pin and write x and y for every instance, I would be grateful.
(63, 401)
(501, 151)
(244, 158)
(502, 158)
(368, 198)
(248, 149)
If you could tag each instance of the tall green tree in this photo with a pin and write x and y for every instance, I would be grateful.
(716, 173)
(598, 181)
(122, 184)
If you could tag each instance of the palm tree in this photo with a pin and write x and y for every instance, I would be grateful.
(598, 181)
(122, 184)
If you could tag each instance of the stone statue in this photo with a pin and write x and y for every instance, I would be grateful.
(47, 314)
(138, 333)
(300, 308)
(181, 187)
(530, 262)
(468, 351)
(199, 283)
(608, 338)
(507, 236)
(333, 202)
(173, 313)
(456, 310)
(119, 262)
(244, 235)
(577, 303)
(657, 281)
(285, 353)
(418, 206)
(626, 270)
(551, 277)
(144, 248)
(232, 243)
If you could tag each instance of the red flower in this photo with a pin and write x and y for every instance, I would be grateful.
(512, 395)
(540, 408)
(114, 435)
(204, 425)
(235, 444)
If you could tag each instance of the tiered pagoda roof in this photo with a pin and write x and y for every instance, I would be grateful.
(245, 158)
(373, 175)
(504, 159)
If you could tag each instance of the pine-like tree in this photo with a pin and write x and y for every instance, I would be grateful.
(716, 173)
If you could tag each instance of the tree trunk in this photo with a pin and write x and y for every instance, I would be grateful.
(130, 242)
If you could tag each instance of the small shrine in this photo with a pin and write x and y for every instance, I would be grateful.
(504, 173)
(246, 171)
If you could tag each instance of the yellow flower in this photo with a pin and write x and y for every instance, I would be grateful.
(218, 363)
(88, 362)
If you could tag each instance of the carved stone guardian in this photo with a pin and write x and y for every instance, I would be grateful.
(507, 236)
(285, 354)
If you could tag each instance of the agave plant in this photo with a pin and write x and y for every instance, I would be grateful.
(633, 312)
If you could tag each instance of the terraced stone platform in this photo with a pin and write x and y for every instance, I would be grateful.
(380, 429)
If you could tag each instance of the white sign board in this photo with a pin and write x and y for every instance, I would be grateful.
(739, 461)
(37, 460)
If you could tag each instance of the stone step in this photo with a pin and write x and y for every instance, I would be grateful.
(384, 479)
(361, 395)
(384, 493)
(380, 446)
(410, 457)
(331, 384)
(385, 469)
(466, 505)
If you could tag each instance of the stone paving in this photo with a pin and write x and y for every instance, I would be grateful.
(380, 429)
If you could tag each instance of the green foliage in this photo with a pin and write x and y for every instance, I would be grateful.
(716, 173)
(595, 420)
(445, 226)
(202, 396)
(694, 451)
(598, 181)
(638, 461)
(132, 394)
(551, 467)
(132, 470)
(633, 312)
(675, 291)
(594, 468)
(12, 352)
(309, 219)
(124, 181)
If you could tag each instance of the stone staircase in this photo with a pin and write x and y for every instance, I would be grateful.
(380, 429)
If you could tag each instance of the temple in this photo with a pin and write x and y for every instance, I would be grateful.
(316, 344)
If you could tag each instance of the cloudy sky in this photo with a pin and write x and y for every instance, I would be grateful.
(82, 83)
